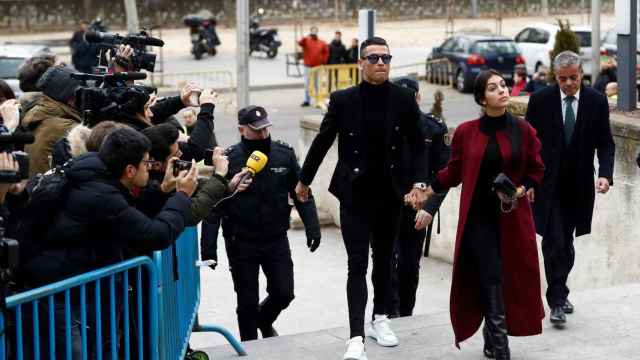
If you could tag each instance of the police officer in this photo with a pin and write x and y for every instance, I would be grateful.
(413, 230)
(255, 224)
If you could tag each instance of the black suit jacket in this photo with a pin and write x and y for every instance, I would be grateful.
(344, 120)
(569, 169)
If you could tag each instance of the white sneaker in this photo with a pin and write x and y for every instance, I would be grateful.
(380, 331)
(355, 349)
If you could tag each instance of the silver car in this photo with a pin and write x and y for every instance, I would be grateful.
(12, 56)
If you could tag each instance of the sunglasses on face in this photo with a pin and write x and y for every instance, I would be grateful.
(374, 58)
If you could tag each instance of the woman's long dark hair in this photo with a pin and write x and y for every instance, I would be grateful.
(5, 92)
(515, 133)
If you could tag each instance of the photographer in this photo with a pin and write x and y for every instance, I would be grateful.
(538, 81)
(164, 154)
(52, 117)
(84, 55)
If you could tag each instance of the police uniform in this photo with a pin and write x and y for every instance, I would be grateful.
(255, 224)
(410, 242)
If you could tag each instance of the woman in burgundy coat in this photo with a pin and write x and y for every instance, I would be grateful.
(495, 272)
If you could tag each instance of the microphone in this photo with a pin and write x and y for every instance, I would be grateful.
(97, 37)
(17, 138)
(255, 163)
(110, 78)
(116, 39)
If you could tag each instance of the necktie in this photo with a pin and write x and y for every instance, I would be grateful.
(569, 119)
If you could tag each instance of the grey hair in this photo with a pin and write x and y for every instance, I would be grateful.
(565, 59)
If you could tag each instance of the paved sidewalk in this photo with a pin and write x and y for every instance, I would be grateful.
(606, 325)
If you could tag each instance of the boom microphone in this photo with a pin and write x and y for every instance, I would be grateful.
(116, 39)
(17, 138)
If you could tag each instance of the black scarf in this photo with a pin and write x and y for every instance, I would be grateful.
(262, 145)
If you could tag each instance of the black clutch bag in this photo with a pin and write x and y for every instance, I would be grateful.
(503, 184)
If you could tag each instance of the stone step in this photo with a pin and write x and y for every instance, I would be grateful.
(606, 324)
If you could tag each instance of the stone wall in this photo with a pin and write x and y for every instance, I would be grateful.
(607, 257)
(18, 15)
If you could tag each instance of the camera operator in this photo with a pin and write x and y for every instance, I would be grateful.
(52, 117)
(538, 81)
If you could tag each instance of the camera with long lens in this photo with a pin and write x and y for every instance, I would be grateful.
(110, 95)
(11, 143)
(141, 58)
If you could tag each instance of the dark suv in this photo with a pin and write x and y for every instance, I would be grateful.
(469, 54)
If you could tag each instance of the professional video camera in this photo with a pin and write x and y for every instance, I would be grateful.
(110, 96)
(8, 143)
(141, 58)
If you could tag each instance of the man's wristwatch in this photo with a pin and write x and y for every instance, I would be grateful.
(420, 186)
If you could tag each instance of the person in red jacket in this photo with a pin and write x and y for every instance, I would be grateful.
(315, 52)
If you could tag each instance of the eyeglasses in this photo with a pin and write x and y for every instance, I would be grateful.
(374, 58)
(148, 163)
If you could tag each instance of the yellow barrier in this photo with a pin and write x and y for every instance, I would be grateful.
(325, 79)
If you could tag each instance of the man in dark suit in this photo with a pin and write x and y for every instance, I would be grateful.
(373, 121)
(572, 123)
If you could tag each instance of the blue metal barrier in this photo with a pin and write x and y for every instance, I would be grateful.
(180, 298)
(61, 329)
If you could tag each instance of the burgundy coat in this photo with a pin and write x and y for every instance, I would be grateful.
(519, 254)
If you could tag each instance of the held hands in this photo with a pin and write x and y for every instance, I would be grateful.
(602, 185)
(417, 198)
(302, 191)
(187, 181)
(423, 219)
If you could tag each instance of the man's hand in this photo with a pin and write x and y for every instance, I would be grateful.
(208, 96)
(186, 92)
(187, 181)
(313, 244)
(302, 191)
(122, 59)
(148, 113)
(169, 181)
(10, 113)
(423, 219)
(235, 182)
(220, 162)
(531, 195)
(602, 185)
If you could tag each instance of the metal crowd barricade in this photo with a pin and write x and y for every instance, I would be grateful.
(94, 322)
(179, 283)
(439, 71)
(325, 79)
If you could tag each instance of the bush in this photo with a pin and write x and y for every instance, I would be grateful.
(565, 40)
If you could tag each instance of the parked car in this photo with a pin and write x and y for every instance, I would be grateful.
(609, 44)
(469, 54)
(537, 41)
(12, 56)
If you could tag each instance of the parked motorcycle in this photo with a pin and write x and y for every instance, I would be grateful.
(204, 38)
(263, 39)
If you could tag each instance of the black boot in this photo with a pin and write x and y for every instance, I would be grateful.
(495, 324)
(488, 344)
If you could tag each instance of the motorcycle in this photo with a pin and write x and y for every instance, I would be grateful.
(263, 39)
(204, 38)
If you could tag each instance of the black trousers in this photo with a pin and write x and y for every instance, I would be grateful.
(480, 249)
(559, 254)
(406, 265)
(246, 256)
(369, 222)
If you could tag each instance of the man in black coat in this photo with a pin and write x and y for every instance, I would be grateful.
(373, 121)
(337, 51)
(417, 225)
(572, 123)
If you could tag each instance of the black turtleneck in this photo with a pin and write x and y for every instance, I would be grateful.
(263, 145)
(485, 201)
(374, 111)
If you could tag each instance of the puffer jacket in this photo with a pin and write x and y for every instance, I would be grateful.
(50, 121)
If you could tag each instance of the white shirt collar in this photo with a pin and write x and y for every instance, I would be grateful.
(563, 95)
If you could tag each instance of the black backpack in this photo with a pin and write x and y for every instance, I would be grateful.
(46, 194)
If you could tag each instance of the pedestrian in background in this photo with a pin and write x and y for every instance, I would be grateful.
(315, 52)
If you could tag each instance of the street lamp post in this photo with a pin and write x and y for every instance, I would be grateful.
(627, 29)
(133, 25)
(595, 40)
(242, 53)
